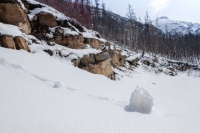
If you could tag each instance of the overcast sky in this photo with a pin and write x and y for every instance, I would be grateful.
(183, 10)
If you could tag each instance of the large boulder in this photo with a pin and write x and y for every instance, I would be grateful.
(21, 43)
(97, 64)
(62, 40)
(7, 42)
(87, 59)
(103, 68)
(46, 19)
(13, 14)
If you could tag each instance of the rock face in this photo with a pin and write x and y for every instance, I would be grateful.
(117, 58)
(87, 59)
(74, 42)
(21, 43)
(103, 68)
(101, 56)
(7, 42)
(97, 64)
(94, 43)
(16, 43)
(13, 14)
(46, 19)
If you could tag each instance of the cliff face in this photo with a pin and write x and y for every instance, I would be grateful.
(34, 19)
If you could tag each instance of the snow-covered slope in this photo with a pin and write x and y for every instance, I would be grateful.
(174, 26)
(40, 94)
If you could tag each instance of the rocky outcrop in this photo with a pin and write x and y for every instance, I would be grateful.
(16, 43)
(13, 14)
(71, 41)
(97, 64)
(46, 19)
(21, 44)
(101, 56)
(7, 42)
(87, 59)
(94, 43)
(103, 68)
(117, 58)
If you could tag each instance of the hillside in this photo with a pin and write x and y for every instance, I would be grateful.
(131, 33)
(57, 76)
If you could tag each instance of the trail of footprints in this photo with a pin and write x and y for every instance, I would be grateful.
(59, 84)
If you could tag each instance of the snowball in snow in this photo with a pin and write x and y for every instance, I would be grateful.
(140, 101)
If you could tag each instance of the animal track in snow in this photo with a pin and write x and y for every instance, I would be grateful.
(59, 84)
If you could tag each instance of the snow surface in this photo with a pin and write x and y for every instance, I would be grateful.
(41, 94)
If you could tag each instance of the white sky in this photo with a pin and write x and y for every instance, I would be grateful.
(183, 10)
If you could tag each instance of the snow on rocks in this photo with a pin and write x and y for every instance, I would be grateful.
(44, 9)
(65, 31)
(11, 30)
(15, 15)
(12, 37)
(140, 101)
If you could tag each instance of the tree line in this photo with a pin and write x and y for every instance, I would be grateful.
(129, 31)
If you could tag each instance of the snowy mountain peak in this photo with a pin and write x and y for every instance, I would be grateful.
(167, 25)
(163, 17)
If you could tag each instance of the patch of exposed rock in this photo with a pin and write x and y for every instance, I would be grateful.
(97, 64)
(14, 43)
(12, 13)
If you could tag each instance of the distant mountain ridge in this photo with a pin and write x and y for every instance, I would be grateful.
(174, 26)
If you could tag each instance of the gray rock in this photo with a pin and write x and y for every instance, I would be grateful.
(87, 59)
(102, 56)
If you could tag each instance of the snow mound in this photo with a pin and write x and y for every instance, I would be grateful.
(140, 101)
